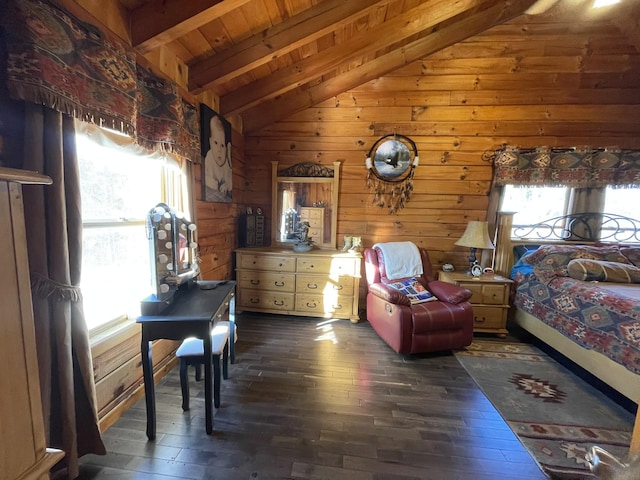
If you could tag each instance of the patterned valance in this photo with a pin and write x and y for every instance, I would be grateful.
(577, 168)
(165, 120)
(54, 59)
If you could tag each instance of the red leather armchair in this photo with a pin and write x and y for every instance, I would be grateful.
(444, 324)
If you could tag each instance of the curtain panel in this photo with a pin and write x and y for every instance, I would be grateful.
(575, 168)
(56, 60)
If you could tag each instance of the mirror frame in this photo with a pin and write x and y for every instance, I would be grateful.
(305, 173)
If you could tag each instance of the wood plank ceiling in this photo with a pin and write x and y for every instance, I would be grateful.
(268, 59)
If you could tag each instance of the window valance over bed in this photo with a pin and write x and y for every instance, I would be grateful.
(54, 59)
(577, 168)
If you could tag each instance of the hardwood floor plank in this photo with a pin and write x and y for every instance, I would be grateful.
(316, 399)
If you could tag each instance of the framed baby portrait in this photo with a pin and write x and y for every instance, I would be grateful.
(215, 144)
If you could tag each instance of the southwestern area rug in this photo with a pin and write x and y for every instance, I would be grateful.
(555, 414)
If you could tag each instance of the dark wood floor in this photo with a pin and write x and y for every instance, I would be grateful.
(313, 399)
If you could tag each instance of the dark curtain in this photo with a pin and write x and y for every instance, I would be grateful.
(54, 240)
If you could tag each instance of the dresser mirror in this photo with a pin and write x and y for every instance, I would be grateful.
(305, 193)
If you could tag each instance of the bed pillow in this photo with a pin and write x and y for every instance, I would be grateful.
(551, 261)
(601, 271)
(632, 253)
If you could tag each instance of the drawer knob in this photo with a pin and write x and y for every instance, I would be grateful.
(312, 286)
(336, 307)
(278, 303)
(312, 305)
(480, 320)
(278, 284)
(338, 287)
(254, 300)
(255, 282)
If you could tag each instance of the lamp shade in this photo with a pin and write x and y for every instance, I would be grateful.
(476, 236)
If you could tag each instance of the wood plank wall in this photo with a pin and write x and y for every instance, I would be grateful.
(523, 83)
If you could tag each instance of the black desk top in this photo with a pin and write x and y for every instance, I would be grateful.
(194, 303)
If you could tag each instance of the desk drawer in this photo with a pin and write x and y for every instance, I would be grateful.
(266, 300)
(256, 280)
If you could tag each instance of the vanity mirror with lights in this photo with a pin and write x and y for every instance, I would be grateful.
(318, 281)
(173, 253)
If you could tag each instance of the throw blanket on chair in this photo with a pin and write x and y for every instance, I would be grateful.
(401, 259)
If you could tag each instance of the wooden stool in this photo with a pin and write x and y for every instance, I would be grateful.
(191, 352)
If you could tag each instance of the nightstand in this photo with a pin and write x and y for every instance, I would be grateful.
(490, 299)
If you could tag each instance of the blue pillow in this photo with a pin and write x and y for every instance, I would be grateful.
(521, 267)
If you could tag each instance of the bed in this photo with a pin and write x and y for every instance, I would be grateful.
(596, 324)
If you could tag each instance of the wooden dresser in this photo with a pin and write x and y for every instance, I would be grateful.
(490, 300)
(23, 451)
(320, 283)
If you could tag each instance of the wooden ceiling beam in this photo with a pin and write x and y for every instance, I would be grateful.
(368, 42)
(276, 41)
(466, 26)
(157, 23)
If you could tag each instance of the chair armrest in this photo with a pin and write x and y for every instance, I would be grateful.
(389, 294)
(449, 292)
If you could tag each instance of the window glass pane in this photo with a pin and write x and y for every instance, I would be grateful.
(115, 272)
(623, 201)
(534, 204)
(116, 185)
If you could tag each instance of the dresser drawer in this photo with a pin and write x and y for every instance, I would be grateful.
(258, 280)
(323, 305)
(489, 317)
(267, 262)
(266, 300)
(323, 284)
(335, 267)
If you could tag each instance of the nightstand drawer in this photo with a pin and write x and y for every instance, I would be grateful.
(487, 293)
(488, 317)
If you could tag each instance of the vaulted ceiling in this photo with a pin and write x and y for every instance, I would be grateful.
(268, 59)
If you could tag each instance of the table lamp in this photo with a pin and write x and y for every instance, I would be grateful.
(475, 236)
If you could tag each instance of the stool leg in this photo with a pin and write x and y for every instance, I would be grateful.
(216, 381)
(184, 383)
(198, 372)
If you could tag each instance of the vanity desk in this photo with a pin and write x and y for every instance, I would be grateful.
(296, 276)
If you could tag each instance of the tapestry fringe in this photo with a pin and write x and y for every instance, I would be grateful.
(42, 96)
(44, 287)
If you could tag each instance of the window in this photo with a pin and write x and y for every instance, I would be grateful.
(536, 204)
(119, 185)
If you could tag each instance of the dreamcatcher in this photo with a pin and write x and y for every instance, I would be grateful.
(390, 166)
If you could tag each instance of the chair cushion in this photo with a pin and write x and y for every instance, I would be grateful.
(192, 347)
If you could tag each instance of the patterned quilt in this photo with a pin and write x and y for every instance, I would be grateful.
(603, 317)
